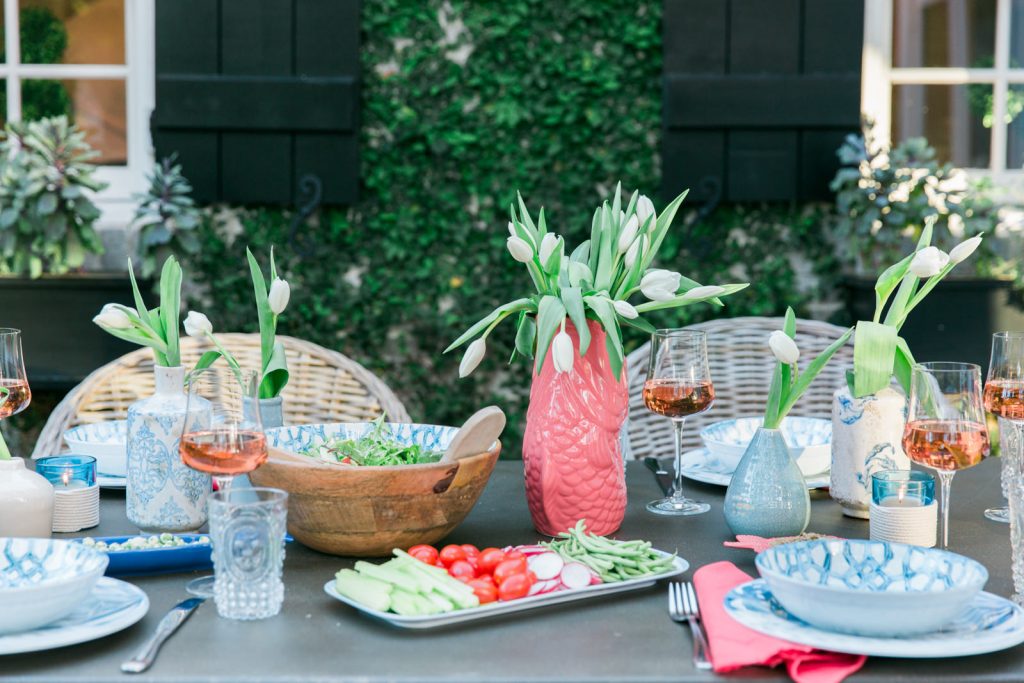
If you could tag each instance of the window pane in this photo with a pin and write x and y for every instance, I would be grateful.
(956, 119)
(97, 106)
(944, 33)
(1017, 34)
(1015, 127)
(72, 31)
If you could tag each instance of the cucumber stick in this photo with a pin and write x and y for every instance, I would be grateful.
(363, 589)
(404, 585)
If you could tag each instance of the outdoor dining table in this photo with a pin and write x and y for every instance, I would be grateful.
(625, 637)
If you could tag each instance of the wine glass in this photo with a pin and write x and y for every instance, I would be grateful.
(678, 385)
(16, 395)
(1004, 398)
(946, 428)
(223, 435)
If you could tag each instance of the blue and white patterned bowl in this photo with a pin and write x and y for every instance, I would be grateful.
(809, 440)
(42, 580)
(870, 588)
(298, 438)
(105, 441)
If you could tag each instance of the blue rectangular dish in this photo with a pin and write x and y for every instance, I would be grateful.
(182, 558)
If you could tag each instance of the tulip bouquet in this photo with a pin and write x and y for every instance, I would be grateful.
(270, 303)
(879, 353)
(595, 281)
(788, 383)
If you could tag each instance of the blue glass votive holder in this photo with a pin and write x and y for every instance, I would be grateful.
(902, 488)
(67, 472)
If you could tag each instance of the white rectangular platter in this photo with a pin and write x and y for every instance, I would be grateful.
(495, 609)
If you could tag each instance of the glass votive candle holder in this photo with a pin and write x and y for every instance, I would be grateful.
(902, 488)
(76, 497)
(903, 508)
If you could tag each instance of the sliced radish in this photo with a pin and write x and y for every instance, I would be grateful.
(575, 575)
(595, 579)
(529, 550)
(542, 587)
(546, 565)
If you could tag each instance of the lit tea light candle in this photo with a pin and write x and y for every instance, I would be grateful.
(66, 482)
(900, 502)
(76, 499)
(903, 508)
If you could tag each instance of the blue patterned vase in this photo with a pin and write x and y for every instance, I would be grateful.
(867, 435)
(767, 495)
(163, 493)
(271, 411)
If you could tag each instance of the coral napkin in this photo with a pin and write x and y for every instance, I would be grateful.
(734, 646)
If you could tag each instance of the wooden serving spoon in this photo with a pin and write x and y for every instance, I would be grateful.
(477, 434)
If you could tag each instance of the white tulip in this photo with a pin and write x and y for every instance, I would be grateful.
(964, 249)
(705, 292)
(474, 354)
(640, 245)
(280, 292)
(928, 262)
(548, 246)
(197, 324)
(660, 285)
(521, 250)
(625, 309)
(562, 352)
(628, 234)
(113, 317)
(784, 348)
(511, 229)
(644, 209)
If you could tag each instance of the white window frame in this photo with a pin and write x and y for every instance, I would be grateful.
(138, 72)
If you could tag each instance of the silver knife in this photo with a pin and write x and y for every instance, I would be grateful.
(168, 625)
(664, 478)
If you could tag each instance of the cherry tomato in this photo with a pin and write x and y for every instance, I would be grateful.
(424, 553)
(514, 587)
(461, 568)
(509, 568)
(484, 590)
(489, 559)
(471, 550)
(451, 553)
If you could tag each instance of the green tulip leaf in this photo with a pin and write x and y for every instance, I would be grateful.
(572, 299)
(550, 314)
(874, 351)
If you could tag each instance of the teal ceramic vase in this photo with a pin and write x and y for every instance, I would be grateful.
(767, 495)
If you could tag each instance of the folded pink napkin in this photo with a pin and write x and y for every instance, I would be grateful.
(734, 646)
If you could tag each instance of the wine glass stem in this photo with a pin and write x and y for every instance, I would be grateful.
(677, 491)
(223, 481)
(945, 481)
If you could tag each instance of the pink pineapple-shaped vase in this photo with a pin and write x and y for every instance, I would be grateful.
(571, 451)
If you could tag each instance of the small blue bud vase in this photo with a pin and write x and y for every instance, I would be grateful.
(163, 494)
(767, 495)
(271, 411)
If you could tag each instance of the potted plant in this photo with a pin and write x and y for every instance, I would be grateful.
(869, 414)
(571, 326)
(166, 217)
(883, 197)
(47, 228)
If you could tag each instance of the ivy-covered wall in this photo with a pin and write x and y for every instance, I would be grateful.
(463, 104)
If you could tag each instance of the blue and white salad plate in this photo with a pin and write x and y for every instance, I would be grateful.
(988, 624)
(111, 607)
(700, 465)
(299, 438)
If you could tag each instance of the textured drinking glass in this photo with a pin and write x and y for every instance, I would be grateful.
(1004, 398)
(247, 528)
(902, 485)
(14, 392)
(946, 429)
(678, 385)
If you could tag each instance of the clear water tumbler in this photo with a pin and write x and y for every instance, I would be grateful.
(247, 529)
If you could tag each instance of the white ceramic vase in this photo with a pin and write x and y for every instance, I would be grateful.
(867, 435)
(163, 494)
(26, 501)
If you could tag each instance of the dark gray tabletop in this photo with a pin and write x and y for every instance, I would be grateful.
(619, 638)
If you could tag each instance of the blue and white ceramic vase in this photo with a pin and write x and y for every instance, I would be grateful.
(163, 494)
(767, 495)
(867, 437)
(271, 411)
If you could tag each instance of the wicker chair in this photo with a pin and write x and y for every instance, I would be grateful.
(741, 368)
(323, 386)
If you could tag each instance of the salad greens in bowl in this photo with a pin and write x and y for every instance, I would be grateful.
(378, 446)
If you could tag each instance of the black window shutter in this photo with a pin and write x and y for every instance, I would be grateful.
(256, 95)
(758, 95)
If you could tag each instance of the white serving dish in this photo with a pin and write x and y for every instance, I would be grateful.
(495, 609)
(43, 580)
(870, 588)
(988, 624)
(809, 440)
(105, 441)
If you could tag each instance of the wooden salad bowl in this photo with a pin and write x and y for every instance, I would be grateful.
(369, 511)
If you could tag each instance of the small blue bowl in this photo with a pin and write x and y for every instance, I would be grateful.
(160, 560)
(809, 440)
(870, 588)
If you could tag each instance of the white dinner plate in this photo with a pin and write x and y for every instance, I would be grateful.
(112, 606)
(110, 481)
(495, 609)
(989, 624)
(700, 465)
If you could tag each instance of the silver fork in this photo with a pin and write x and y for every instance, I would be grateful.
(682, 606)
